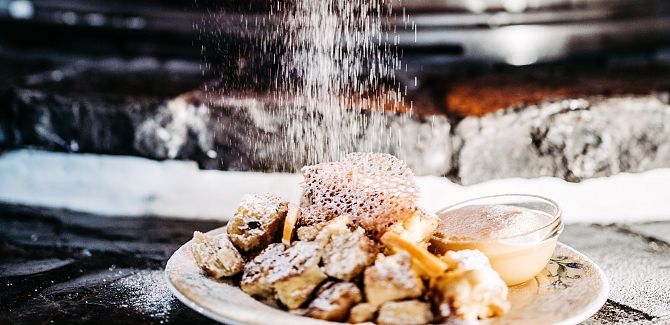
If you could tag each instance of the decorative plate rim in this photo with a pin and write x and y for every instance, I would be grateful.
(599, 301)
(590, 310)
(191, 304)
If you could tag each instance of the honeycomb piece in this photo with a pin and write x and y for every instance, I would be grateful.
(472, 291)
(333, 301)
(345, 253)
(255, 279)
(216, 255)
(361, 313)
(257, 222)
(377, 189)
(410, 312)
(391, 278)
(297, 273)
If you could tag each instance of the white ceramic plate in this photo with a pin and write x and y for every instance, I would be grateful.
(568, 291)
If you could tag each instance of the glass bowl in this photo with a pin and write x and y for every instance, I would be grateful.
(518, 253)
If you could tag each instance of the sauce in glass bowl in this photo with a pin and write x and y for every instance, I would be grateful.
(518, 233)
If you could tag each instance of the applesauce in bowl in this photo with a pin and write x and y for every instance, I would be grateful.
(518, 233)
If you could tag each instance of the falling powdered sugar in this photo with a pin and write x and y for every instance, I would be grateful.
(323, 74)
(339, 61)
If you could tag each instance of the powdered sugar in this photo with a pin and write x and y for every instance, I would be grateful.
(264, 263)
(470, 259)
(314, 214)
(489, 222)
(396, 269)
(345, 253)
(261, 205)
(146, 292)
(336, 75)
(331, 295)
(294, 260)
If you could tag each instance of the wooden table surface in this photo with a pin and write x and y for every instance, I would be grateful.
(66, 267)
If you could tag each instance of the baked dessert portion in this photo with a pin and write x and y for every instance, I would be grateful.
(345, 252)
(256, 277)
(392, 278)
(288, 274)
(333, 301)
(409, 312)
(355, 250)
(471, 290)
(418, 227)
(257, 222)
(363, 312)
(297, 273)
(216, 255)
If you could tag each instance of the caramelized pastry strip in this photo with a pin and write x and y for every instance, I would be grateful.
(289, 224)
(430, 263)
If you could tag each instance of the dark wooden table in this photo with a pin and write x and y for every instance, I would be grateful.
(66, 267)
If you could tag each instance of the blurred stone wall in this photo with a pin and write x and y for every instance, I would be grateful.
(573, 135)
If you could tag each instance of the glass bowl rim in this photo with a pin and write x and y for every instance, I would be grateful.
(556, 217)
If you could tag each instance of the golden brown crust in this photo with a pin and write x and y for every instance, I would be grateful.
(309, 233)
(345, 253)
(333, 301)
(297, 274)
(418, 228)
(410, 312)
(361, 313)
(472, 291)
(216, 255)
(391, 278)
(255, 279)
(257, 222)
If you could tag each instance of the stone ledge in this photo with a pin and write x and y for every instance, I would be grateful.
(573, 139)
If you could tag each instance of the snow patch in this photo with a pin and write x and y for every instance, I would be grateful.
(130, 186)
